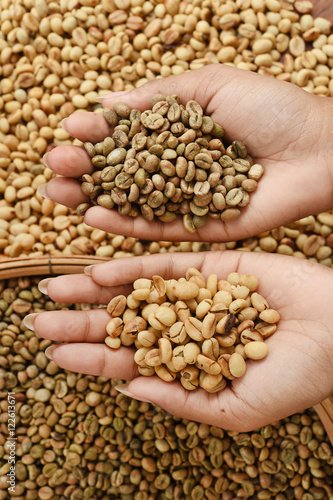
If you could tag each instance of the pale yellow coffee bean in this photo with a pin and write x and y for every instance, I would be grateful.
(222, 297)
(250, 281)
(239, 349)
(191, 352)
(116, 306)
(210, 382)
(266, 329)
(203, 294)
(165, 349)
(193, 327)
(234, 279)
(259, 302)
(192, 272)
(114, 327)
(212, 284)
(203, 308)
(208, 365)
(270, 316)
(153, 358)
(142, 283)
(147, 371)
(141, 294)
(178, 360)
(237, 365)
(208, 326)
(189, 385)
(224, 285)
(114, 343)
(154, 322)
(140, 356)
(164, 373)
(185, 290)
(256, 350)
(166, 315)
(160, 285)
(177, 333)
(146, 338)
(240, 292)
(132, 302)
(237, 305)
(148, 309)
(190, 372)
(135, 325)
(256, 171)
(210, 348)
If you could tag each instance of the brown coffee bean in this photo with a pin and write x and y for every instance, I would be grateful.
(121, 109)
(111, 117)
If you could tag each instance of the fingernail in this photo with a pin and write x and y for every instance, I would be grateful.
(42, 285)
(63, 125)
(44, 159)
(88, 270)
(42, 191)
(29, 321)
(123, 389)
(107, 96)
(48, 352)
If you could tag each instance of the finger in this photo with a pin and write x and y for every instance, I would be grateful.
(201, 89)
(138, 227)
(96, 359)
(228, 94)
(72, 326)
(174, 265)
(69, 161)
(118, 272)
(87, 126)
(199, 405)
(78, 288)
(292, 278)
(66, 192)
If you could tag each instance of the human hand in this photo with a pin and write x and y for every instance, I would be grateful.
(285, 129)
(296, 374)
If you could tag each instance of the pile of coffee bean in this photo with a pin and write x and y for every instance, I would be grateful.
(196, 330)
(167, 161)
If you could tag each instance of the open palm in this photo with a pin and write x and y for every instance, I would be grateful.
(296, 374)
(284, 128)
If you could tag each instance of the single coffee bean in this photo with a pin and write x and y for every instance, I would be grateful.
(256, 350)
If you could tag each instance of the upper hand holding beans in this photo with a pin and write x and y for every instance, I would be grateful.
(284, 128)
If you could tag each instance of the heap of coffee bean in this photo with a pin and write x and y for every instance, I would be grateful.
(169, 161)
(198, 331)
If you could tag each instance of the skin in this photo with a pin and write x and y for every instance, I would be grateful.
(296, 374)
(285, 129)
(289, 132)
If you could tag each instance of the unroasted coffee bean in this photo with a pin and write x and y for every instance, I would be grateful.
(192, 329)
(256, 350)
(178, 151)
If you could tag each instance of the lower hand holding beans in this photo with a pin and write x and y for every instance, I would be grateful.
(209, 319)
(200, 332)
